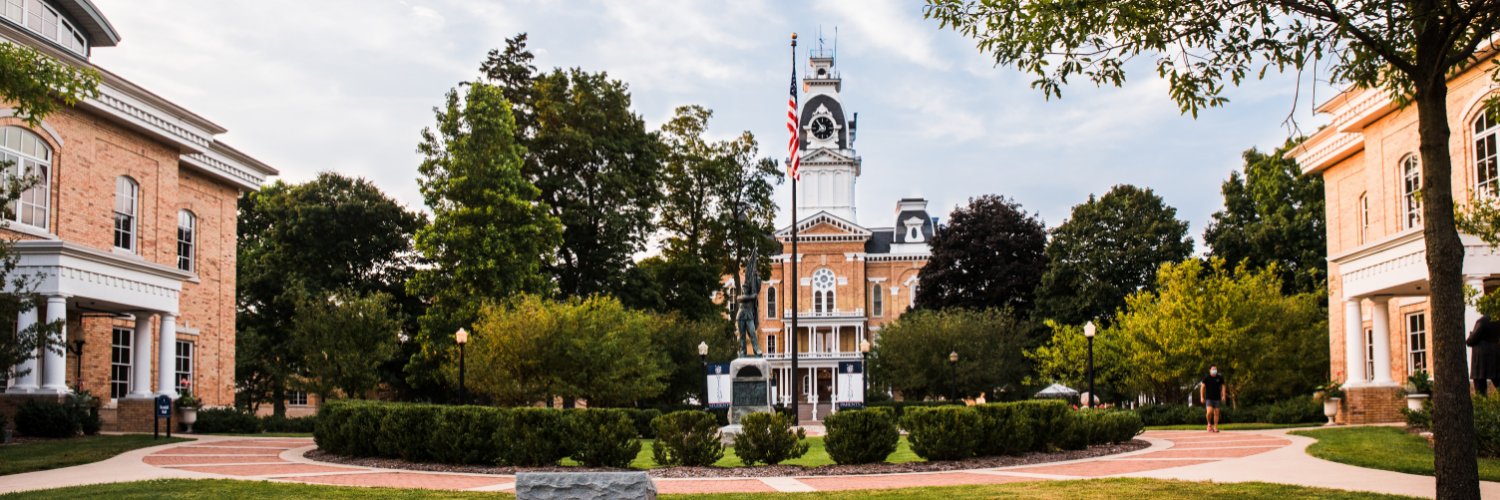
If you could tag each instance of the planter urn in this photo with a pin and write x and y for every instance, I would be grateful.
(188, 416)
(1331, 409)
(1414, 401)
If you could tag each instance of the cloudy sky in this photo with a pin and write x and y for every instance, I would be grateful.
(347, 85)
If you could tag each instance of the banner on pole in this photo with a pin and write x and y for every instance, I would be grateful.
(851, 384)
(719, 388)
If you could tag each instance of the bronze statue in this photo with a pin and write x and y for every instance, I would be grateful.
(747, 324)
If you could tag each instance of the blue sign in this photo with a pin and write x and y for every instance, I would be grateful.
(163, 406)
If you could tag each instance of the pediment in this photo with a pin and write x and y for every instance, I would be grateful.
(826, 155)
(824, 223)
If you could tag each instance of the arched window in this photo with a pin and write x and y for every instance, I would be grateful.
(770, 302)
(1411, 189)
(877, 300)
(823, 282)
(1364, 217)
(187, 230)
(1486, 163)
(27, 157)
(127, 201)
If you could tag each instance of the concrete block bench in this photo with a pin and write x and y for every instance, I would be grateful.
(584, 486)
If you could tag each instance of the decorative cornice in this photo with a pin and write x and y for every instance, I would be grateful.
(899, 257)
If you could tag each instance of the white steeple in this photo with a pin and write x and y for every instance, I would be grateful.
(829, 165)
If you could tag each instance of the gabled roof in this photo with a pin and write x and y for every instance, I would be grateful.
(824, 217)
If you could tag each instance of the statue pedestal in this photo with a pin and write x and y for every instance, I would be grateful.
(750, 379)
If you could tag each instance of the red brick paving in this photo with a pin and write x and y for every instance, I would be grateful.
(1223, 444)
(268, 469)
(193, 450)
(836, 483)
(713, 486)
(1098, 468)
(204, 460)
(1208, 453)
(407, 480)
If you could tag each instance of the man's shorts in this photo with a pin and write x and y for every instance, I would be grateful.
(1212, 403)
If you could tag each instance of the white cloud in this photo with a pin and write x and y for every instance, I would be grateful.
(885, 26)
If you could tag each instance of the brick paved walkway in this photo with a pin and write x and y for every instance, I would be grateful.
(1271, 456)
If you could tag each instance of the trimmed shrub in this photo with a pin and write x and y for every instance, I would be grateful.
(85, 408)
(767, 438)
(603, 437)
(46, 418)
(898, 408)
(346, 427)
(688, 438)
(530, 437)
(1487, 425)
(1117, 427)
(1171, 414)
(1004, 429)
(406, 432)
(1092, 427)
(860, 436)
(466, 435)
(642, 419)
(1420, 420)
(272, 423)
(1295, 411)
(225, 421)
(943, 433)
(1048, 420)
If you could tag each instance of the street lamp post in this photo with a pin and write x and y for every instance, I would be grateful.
(864, 352)
(1088, 331)
(703, 357)
(953, 366)
(77, 349)
(462, 337)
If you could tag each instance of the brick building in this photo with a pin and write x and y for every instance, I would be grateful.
(852, 279)
(1377, 268)
(131, 232)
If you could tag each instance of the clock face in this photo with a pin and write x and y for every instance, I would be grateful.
(822, 127)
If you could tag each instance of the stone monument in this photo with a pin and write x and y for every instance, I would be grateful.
(749, 375)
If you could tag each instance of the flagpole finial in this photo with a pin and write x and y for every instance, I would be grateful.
(794, 39)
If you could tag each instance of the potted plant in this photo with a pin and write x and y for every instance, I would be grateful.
(1332, 394)
(1419, 388)
(187, 405)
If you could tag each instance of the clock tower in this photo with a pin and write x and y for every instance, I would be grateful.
(829, 165)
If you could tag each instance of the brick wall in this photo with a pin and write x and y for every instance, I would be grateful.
(1371, 405)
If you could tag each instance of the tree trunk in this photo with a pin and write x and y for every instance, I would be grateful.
(1453, 414)
(278, 398)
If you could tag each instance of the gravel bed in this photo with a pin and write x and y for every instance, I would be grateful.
(761, 471)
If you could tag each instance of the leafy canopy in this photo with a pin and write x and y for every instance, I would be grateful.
(912, 355)
(991, 254)
(1273, 215)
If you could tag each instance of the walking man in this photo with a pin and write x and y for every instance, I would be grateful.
(1211, 391)
(1484, 364)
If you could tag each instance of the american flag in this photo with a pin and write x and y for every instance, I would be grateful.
(791, 126)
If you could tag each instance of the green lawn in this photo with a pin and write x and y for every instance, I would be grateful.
(1230, 427)
(1385, 448)
(1092, 489)
(43, 455)
(815, 456)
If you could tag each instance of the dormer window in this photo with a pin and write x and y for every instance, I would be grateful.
(913, 230)
(45, 21)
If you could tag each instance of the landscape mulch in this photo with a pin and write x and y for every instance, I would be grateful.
(760, 471)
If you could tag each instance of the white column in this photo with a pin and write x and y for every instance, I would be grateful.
(1354, 344)
(1381, 323)
(27, 382)
(1471, 316)
(55, 358)
(166, 363)
(140, 357)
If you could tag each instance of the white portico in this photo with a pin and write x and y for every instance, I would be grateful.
(73, 277)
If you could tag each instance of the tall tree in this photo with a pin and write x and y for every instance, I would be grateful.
(490, 234)
(912, 355)
(597, 167)
(1108, 249)
(717, 208)
(1408, 49)
(343, 339)
(297, 240)
(1274, 215)
(34, 85)
(991, 254)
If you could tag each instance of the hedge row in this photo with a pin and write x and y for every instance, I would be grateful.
(79, 414)
(234, 421)
(1291, 411)
(959, 432)
(482, 434)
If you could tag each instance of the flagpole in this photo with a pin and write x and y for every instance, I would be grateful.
(795, 285)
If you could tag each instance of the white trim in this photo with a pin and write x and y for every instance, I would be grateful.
(62, 268)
